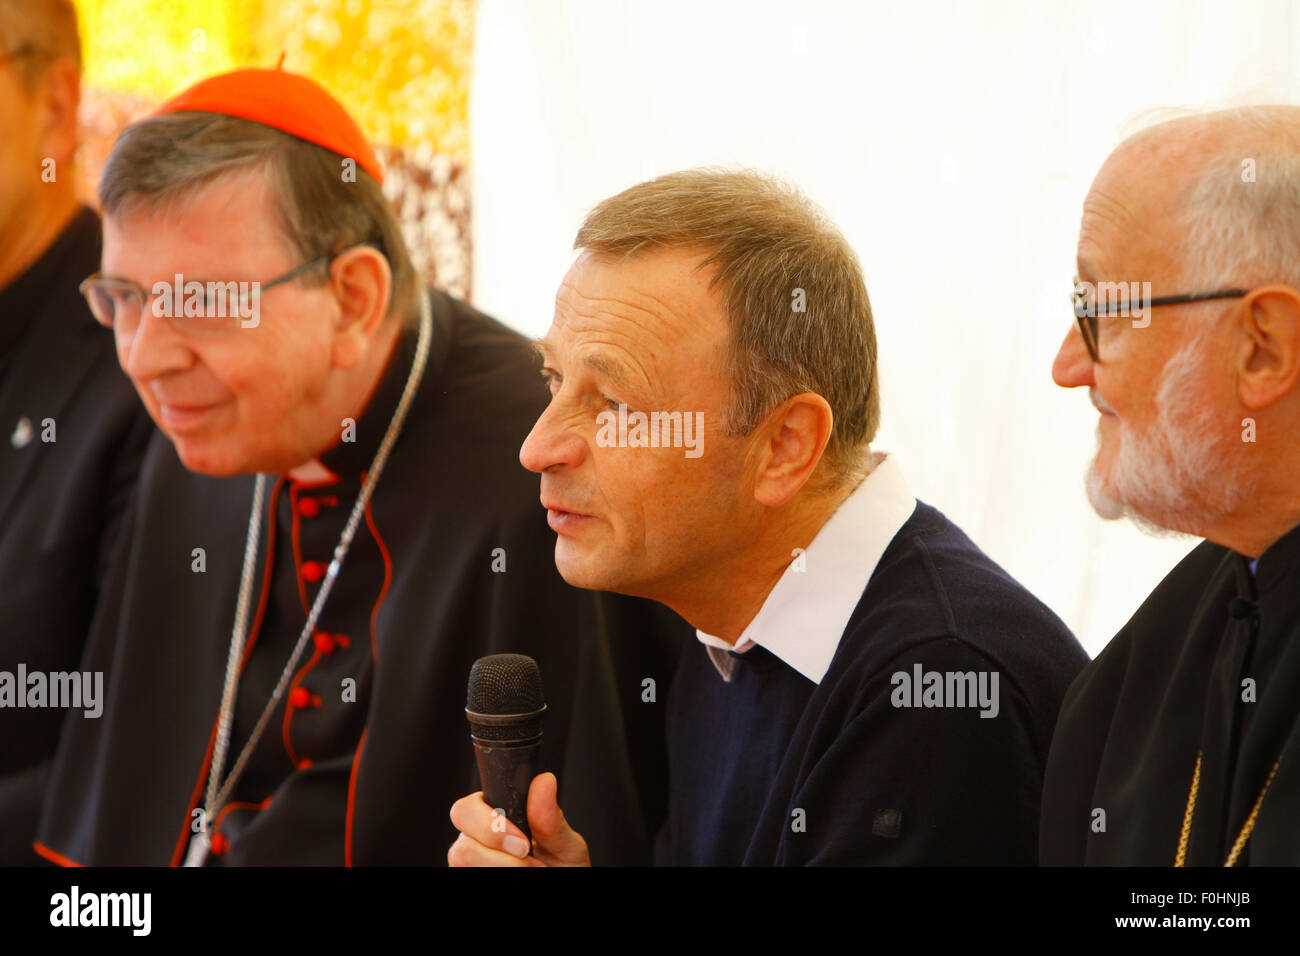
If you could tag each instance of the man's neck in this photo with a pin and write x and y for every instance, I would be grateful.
(1253, 534)
(1267, 504)
(34, 229)
(725, 602)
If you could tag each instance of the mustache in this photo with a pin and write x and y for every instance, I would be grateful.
(1098, 402)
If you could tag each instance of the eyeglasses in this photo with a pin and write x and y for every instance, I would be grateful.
(194, 308)
(1085, 312)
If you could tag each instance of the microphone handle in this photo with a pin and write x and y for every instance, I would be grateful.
(506, 772)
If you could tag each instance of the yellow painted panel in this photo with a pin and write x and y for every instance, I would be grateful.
(401, 67)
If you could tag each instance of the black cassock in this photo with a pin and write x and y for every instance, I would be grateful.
(421, 595)
(72, 432)
(1175, 682)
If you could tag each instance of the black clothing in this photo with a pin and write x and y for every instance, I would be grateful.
(772, 769)
(1170, 686)
(72, 431)
(331, 781)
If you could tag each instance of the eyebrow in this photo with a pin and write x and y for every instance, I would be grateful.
(597, 362)
(594, 361)
(610, 369)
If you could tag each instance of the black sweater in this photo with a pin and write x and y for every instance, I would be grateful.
(771, 769)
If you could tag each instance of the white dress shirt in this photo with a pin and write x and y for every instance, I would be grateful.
(805, 614)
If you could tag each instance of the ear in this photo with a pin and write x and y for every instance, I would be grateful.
(60, 96)
(362, 285)
(1268, 357)
(793, 438)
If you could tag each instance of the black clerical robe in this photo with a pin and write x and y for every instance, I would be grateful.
(368, 750)
(1209, 664)
(72, 432)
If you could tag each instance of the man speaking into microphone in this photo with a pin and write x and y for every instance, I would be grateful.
(867, 686)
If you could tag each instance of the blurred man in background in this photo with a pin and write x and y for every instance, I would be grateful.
(71, 428)
(867, 685)
(1177, 745)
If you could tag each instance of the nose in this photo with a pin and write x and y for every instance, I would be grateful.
(1073, 365)
(152, 348)
(551, 444)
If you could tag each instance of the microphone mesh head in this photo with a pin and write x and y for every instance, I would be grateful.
(505, 684)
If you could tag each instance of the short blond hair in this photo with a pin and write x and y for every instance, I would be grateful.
(36, 32)
(773, 251)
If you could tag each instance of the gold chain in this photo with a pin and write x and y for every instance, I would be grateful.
(1180, 858)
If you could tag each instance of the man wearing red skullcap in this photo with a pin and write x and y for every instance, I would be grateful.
(330, 528)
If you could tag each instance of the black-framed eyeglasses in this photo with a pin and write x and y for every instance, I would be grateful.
(1086, 312)
(193, 307)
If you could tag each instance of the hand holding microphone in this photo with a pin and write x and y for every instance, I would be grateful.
(505, 706)
(487, 839)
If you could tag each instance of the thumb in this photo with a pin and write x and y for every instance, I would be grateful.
(554, 840)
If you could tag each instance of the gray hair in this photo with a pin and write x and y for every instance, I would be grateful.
(1243, 208)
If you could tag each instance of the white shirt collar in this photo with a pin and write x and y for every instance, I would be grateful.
(805, 614)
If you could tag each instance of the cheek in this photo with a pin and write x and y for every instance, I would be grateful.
(675, 495)
(123, 345)
(633, 487)
(269, 380)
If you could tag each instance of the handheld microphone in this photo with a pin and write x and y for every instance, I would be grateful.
(504, 705)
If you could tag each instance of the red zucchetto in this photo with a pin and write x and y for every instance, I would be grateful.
(285, 101)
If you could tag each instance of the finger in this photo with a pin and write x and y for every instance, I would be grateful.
(468, 852)
(484, 825)
(554, 840)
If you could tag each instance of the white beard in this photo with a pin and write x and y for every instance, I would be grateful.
(1177, 476)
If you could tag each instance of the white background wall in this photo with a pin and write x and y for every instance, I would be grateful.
(952, 142)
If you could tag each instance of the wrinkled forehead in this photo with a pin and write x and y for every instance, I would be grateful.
(1137, 208)
(658, 305)
(1133, 216)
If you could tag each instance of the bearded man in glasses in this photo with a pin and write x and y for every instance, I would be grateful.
(331, 527)
(1177, 745)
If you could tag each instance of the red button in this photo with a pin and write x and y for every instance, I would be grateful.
(218, 844)
(304, 763)
(308, 507)
(300, 697)
(324, 642)
(313, 571)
